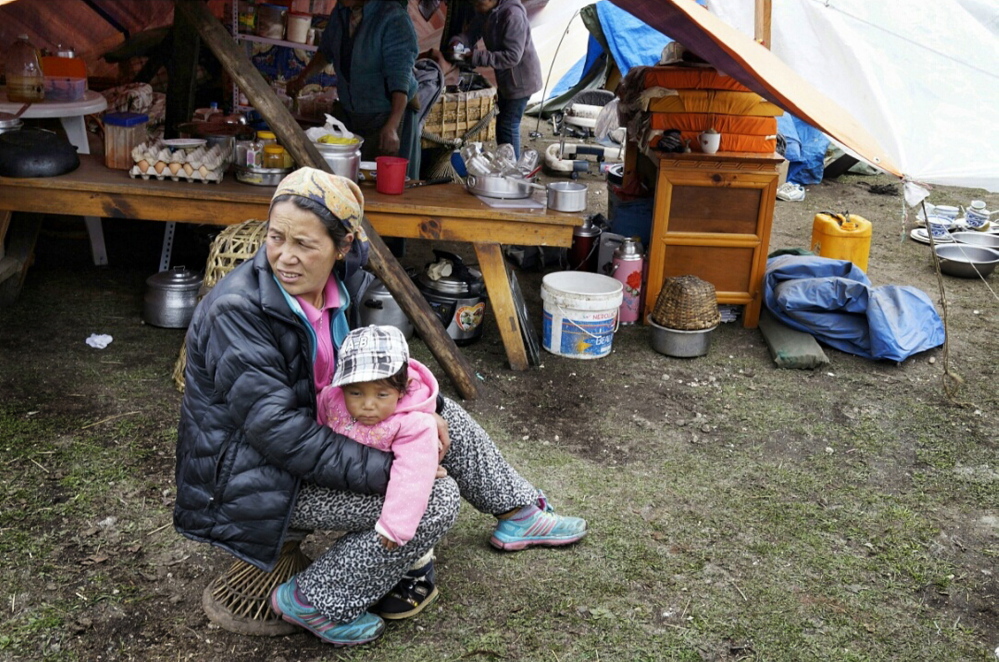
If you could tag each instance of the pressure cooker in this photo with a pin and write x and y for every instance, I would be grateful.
(456, 293)
(379, 307)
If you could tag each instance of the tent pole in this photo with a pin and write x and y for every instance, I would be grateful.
(761, 23)
(381, 260)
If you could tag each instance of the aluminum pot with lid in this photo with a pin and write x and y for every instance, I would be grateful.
(567, 196)
(379, 307)
(171, 297)
(343, 158)
(457, 294)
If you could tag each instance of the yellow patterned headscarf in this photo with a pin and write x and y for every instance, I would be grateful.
(338, 194)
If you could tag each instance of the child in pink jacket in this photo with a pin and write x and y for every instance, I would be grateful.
(380, 397)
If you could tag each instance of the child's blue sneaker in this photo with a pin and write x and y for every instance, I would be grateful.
(532, 526)
(287, 601)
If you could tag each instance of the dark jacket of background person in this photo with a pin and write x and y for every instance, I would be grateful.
(377, 61)
(248, 435)
(509, 50)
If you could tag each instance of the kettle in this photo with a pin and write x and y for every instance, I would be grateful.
(171, 297)
(456, 293)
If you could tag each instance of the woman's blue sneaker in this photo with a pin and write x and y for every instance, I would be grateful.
(532, 527)
(287, 601)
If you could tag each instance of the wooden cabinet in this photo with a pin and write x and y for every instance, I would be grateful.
(712, 219)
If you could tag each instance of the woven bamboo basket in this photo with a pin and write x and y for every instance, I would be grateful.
(239, 599)
(232, 246)
(686, 303)
(461, 116)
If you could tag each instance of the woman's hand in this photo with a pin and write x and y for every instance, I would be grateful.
(443, 440)
(294, 86)
(386, 543)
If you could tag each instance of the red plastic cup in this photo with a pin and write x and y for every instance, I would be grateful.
(390, 174)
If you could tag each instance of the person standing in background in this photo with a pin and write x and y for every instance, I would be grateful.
(372, 46)
(504, 29)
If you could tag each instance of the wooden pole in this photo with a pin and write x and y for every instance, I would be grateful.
(761, 23)
(291, 136)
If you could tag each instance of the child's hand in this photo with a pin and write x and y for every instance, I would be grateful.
(388, 544)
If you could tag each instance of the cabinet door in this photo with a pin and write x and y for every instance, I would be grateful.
(712, 220)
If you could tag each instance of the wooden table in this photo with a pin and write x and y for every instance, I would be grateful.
(446, 212)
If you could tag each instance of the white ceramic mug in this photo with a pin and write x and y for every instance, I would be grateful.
(939, 226)
(709, 142)
(945, 211)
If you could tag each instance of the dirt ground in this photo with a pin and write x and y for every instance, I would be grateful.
(138, 585)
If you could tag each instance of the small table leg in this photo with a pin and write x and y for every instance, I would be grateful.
(501, 298)
(76, 130)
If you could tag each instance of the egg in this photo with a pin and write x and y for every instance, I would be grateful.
(143, 165)
(160, 167)
(175, 168)
(188, 168)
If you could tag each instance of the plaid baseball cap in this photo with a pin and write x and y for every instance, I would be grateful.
(369, 354)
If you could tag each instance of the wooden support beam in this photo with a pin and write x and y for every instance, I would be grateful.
(183, 73)
(761, 22)
(291, 136)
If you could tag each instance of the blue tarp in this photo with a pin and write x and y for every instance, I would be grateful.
(834, 301)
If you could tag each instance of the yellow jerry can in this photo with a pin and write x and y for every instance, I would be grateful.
(842, 237)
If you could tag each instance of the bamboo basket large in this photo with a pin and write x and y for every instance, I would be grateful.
(457, 116)
(232, 246)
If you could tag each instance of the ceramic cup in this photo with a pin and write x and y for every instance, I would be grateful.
(709, 142)
(946, 211)
(976, 219)
(939, 226)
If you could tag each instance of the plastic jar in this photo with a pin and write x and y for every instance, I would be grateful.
(122, 132)
(25, 80)
(274, 156)
(298, 27)
(266, 138)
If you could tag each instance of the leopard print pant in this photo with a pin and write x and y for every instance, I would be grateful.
(357, 570)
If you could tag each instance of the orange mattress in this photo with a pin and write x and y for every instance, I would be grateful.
(730, 142)
(690, 78)
(697, 122)
(715, 101)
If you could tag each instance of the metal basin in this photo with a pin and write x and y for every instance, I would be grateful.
(679, 343)
(967, 261)
(498, 186)
(977, 239)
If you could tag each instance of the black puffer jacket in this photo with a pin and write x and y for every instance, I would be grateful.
(248, 434)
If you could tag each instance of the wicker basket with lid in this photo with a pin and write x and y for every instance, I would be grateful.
(686, 303)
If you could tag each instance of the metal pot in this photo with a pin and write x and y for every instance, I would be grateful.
(379, 307)
(679, 343)
(458, 296)
(567, 196)
(36, 153)
(9, 122)
(171, 297)
(497, 186)
(344, 158)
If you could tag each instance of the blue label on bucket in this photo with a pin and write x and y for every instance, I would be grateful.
(578, 337)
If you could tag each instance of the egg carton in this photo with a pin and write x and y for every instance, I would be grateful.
(181, 175)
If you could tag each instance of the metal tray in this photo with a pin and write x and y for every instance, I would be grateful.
(261, 176)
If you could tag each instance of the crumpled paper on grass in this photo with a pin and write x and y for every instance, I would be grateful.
(99, 340)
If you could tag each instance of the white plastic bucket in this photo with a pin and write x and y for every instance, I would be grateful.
(580, 313)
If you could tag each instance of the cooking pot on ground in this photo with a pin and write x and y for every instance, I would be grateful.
(456, 293)
(171, 297)
(379, 307)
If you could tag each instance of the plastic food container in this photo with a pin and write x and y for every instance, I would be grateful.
(59, 88)
(298, 27)
(122, 132)
(270, 21)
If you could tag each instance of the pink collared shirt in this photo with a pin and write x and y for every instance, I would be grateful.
(325, 365)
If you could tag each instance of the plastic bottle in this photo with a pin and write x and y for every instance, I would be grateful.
(273, 156)
(25, 80)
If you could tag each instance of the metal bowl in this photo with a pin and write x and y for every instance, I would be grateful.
(977, 239)
(261, 176)
(966, 261)
(498, 186)
(679, 343)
